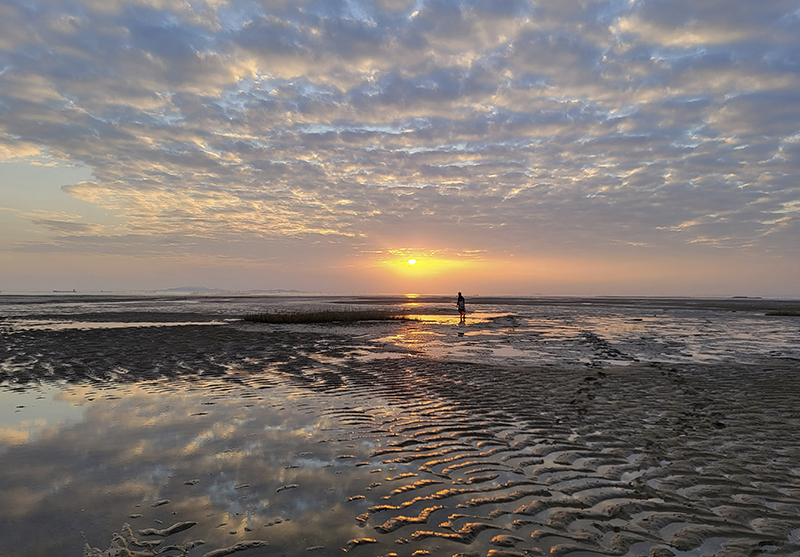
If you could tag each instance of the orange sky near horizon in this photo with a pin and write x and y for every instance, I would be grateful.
(514, 148)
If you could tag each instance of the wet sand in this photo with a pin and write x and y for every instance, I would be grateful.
(404, 438)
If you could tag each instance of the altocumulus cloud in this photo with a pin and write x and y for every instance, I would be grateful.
(661, 123)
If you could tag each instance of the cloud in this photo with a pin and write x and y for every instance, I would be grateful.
(565, 123)
(67, 227)
(11, 149)
(687, 24)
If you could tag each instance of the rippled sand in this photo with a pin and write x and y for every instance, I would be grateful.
(406, 439)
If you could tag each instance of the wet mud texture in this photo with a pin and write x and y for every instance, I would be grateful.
(480, 460)
(135, 354)
(632, 461)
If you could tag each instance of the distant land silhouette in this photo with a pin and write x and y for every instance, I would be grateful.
(193, 289)
(205, 289)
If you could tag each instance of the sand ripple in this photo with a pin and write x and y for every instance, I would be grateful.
(635, 461)
(655, 459)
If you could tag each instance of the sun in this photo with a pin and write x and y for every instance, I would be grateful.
(418, 266)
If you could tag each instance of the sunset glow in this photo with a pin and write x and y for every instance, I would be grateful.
(429, 267)
(482, 138)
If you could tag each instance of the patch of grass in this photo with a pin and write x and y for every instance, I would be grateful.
(785, 312)
(324, 316)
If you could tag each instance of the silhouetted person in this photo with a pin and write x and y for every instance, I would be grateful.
(462, 307)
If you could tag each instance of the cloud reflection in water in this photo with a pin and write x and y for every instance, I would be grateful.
(221, 457)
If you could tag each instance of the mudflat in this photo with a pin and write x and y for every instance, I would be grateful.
(541, 427)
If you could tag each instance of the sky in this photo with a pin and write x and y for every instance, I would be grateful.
(509, 147)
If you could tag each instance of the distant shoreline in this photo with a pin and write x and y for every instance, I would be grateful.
(775, 306)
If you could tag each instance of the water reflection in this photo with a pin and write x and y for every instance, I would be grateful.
(569, 335)
(405, 437)
(243, 465)
(411, 457)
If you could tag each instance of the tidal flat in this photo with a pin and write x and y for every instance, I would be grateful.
(166, 425)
